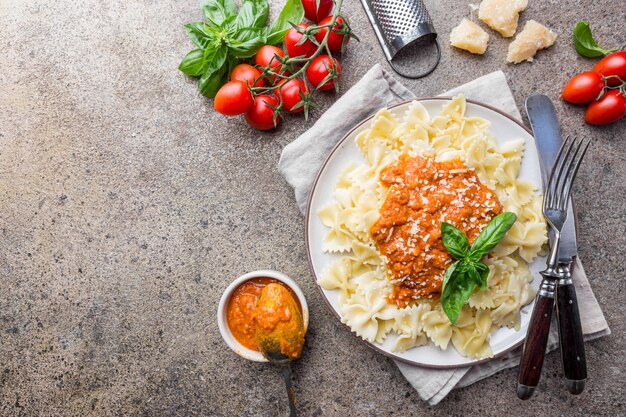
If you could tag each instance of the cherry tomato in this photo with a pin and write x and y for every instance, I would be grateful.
(315, 13)
(233, 98)
(613, 64)
(267, 56)
(335, 40)
(261, 115)
(583, 88)
(292, 37)
(291, 96)
(248, 74)
(611, 107)
(319, 69)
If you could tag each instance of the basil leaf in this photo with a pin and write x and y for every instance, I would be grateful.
(449, 272)
(217, 11)
(585, 44)
(193, 63)
(291, 12)
(454, 240)
(252, 14)
(199, 34)
(473, 274)
(228, 23)
(491, 235)
(478, 272)
(247, 43)
(217, 59)
(231, 63)
(483, 271)
(457, 289)
(210, 82)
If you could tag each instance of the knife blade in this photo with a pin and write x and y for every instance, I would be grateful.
(547, 134)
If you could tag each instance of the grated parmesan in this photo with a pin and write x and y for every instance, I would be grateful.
(389, 235)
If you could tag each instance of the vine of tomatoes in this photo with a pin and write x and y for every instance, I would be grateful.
(604, 88)
(285, 79)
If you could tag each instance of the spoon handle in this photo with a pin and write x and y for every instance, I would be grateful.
(286, 371)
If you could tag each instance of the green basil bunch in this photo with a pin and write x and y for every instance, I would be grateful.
(468, 272)
(230, 35)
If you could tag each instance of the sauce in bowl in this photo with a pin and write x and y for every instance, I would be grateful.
(240, 310)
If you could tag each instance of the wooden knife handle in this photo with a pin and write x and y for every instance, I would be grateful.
(536, 342)
(571, 336)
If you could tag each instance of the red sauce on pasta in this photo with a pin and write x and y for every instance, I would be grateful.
(422, 194)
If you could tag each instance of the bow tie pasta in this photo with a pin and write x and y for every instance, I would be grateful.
(388, 276)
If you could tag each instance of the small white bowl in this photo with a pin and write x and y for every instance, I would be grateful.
(222, 321)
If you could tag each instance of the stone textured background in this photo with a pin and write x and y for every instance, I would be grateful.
(127, 205)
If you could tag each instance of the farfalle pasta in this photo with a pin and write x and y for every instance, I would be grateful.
(361, 274)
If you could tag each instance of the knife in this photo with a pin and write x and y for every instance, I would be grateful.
(547, 134)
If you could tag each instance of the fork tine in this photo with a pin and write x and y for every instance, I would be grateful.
(547, 198)
(565, 168)
(584, 144)
(550, 193)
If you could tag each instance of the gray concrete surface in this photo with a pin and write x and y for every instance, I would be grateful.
(127, 206)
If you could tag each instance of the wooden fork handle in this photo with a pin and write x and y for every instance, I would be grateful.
(536, 342)
(571, 336)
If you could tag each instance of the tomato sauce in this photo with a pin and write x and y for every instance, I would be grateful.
(422, 194)
(241, 307)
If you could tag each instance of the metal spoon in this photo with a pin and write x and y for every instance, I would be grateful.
(285, 367)
(281, 341)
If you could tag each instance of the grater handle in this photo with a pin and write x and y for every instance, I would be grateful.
(421, 74)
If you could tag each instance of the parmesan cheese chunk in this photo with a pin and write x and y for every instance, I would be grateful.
(501, 15)
(470, 37)
(532, 38)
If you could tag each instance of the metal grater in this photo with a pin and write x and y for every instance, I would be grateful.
(398, 24)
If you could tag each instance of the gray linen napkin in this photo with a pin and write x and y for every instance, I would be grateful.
(302, 158)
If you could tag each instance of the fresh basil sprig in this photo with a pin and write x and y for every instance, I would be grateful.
(468, 272)
(230, 34)
(585, 44)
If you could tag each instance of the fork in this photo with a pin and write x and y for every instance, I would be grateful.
(557, 197)
(555, 204)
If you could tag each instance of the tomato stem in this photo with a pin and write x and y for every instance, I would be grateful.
(609, 77)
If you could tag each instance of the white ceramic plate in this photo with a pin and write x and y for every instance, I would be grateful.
(505, 129)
